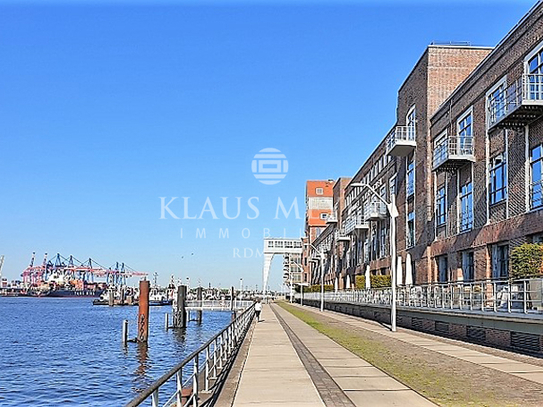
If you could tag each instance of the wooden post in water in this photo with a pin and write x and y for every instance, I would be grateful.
(180, 308)
(125, 332)
(143, 312)
(199, 297)
(111, 297)
(166, 321)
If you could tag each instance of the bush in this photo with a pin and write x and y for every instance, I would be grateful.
(527, 261)
(375, 281)
(316, 288)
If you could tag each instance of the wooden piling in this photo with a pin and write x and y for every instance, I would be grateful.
(125, 332)
(180, 308)
(232, 295)
(199, 297)
(143, 312)
(166, 321)
(111, 298)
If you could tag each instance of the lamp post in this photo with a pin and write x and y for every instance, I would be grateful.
(393, 212)
(321, 255)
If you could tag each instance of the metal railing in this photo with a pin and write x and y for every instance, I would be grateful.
(202, 371)
(519, 296)
(375, 210)
(454, 147)
(398, 135)
(218, 304)
(355, 221)
(528, 89)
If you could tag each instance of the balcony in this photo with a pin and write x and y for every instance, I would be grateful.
(341, 236)
(331, 219)
(518, 105)
(354, 223)
(401, 141)
(375, 211)
(453, 152)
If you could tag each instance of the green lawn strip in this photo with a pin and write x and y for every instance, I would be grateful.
(447, 384)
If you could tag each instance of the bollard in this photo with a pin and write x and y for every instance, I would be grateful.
(232, 295)
(200, 305)
(166, 321)
(143, 312)
(125, 332)
(180, 311)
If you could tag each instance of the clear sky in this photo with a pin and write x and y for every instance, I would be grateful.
(106, 106)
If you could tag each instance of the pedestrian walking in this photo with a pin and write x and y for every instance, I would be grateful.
(258, 309)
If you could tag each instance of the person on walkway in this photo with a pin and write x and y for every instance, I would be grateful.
(258, 309)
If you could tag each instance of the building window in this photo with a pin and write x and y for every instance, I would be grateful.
(410, 229)
(410, 185)
(442, 268)
(440, 206)
(496, 103)
(324, 216)
(536, 168)
(500, 261)
(465, 136)
(468, 266)
(466, 207)
(411, 123)
(498, 179)
(535, 78)
(392, 186)
(319, 191)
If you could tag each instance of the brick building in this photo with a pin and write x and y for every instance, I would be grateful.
(464, 160)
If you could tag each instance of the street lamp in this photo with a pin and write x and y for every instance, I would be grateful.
(393, 212)
(321, 255)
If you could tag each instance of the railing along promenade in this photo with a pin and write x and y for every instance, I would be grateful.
(518, 296)
(218, 305)
(202, 372)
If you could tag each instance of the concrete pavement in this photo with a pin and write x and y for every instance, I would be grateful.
(290, 363)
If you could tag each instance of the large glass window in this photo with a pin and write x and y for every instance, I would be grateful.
(440, 206)
(468, 266)
(442, 268)
(411, 122)
(410, 185)
(496, 104)
(536, 168)
(465, 136)
(498, 179)
(410, 229)
(500, 261)
(466, 207)
(535, 77)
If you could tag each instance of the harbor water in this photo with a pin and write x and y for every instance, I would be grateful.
(67, 352)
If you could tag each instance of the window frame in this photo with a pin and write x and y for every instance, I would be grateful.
(466, 195)
(533, 183)
(441, 206)
(493, 190)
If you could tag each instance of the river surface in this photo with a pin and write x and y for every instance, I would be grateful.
(67, 352)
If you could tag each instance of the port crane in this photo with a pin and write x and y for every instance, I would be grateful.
(62, 268)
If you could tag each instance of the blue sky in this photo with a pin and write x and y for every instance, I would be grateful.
(107, 106)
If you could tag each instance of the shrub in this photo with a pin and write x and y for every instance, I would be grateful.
(360, 282)
(316, 288)
(527, 260)
(375, 281)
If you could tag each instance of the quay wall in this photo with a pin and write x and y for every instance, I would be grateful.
(515, 333)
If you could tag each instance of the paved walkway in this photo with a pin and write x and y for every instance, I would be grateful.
(520, 369)
(289, 363)
(273, 374)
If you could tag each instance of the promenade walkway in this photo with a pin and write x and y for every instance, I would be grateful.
(289, 363)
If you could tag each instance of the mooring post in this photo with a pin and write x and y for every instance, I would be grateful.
(125, 332)
(199, 296)
(143, 312)
(111, 298)
(180, 308)
(232, 295)
(166, 321)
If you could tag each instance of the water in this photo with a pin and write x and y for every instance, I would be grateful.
(67, 352)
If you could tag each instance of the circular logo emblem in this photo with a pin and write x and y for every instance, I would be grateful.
(269, 166)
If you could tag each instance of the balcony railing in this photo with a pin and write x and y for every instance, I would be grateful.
(401, 141)
(453, 152)
(342, 235)
(355, 222)
(332, 218)
(506, 296)
(519, 104)
(375, 210)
